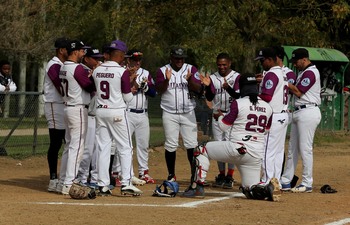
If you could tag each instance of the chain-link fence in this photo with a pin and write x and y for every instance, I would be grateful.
(23, 126)
(24, 132)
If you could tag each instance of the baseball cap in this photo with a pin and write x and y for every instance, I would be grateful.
(76, 45)
(248, 84)
(266, 53)
(134, 54)
(93, 52)
(299, 53)
(279, 51)
(178, 52)
(247, 79)
(118, 45)
(61, 42)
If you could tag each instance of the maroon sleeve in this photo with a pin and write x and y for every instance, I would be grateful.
(125, 82)
(53, 74)
(82, 77)
(160, 77)
(291, 77)
(195, 75)
(230, 118)
(307, 80)
(269, 84)
(265, 97)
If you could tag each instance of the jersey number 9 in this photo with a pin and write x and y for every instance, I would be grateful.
(104, 87)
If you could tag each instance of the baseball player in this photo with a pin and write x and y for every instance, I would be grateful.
(219, 88)
(143, 87)
(247, 121)
(90, 61)
(274, 90)
(113, 90)
(54, 108)
(76, 89)
(306, 117)
(291, 79)
(175, 82)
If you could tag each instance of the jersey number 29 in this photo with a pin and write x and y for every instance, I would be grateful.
(256, 123)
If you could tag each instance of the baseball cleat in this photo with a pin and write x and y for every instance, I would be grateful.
(219, 181)
(197, 192)
(286, 187)
(130, 190)
(118, 183)
(104, 191)
(136, 181)
(301, 189)
(52, 185)
(65, 189)
(228, 182)
(147, 178)
(171, 178)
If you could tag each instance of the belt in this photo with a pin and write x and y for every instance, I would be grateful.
(85, 106)
(138, 110)
(296, 108)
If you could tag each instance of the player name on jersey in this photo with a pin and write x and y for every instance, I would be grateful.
(105, 75)
(257, 109)
(177, 85)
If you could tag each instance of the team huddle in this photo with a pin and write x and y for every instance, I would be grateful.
(95, 102)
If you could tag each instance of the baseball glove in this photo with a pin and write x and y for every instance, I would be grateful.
(78, 191)
(327, 189)
(170, 189)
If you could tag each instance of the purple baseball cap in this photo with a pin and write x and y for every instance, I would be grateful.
(118, 45)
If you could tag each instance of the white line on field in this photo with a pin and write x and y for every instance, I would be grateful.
(184, 205)
(340, 222)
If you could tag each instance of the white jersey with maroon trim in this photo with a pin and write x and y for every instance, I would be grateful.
(279, 84)
(177, 98)
(248, 124)
(309, 80)
(222, 99)
(140, 100)
(74, 94)
(51, 94)
(108, 80)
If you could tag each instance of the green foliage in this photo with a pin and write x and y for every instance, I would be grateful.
(205, 27)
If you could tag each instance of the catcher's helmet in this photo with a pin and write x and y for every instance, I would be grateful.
(170, 189)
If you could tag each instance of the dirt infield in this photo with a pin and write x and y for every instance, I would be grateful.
(24, 199)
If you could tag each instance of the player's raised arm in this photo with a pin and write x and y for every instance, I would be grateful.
(193, 79)
(162, 80)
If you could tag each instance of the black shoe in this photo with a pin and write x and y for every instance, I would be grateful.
(104, 191)
(171, 178)
(219, 181)
(197, 192)
(228, 183)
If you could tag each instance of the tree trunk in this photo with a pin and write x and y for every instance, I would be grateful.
(22, 82)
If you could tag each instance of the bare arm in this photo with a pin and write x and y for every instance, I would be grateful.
(295, 90)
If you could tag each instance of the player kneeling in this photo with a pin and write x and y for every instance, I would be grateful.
(248, 120)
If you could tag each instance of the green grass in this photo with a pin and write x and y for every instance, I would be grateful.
(23, 146)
